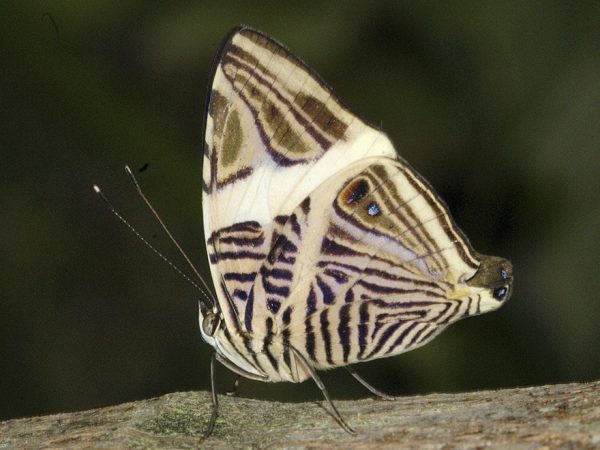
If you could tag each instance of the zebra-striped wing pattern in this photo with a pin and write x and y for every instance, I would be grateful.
(323, 244)
(371, 265)
(274, 132)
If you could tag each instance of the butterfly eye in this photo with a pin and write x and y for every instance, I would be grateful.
(500, 293)
(210, 324)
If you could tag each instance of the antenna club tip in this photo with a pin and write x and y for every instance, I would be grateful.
(127, 169)
(96, 188)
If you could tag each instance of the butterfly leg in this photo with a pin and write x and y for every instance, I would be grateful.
(215, 400)
(233, 392)
(317, 380)
(362, 381)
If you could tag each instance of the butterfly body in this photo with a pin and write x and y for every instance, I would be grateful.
(325, 247)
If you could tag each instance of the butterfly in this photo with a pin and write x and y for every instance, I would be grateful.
(325, 247)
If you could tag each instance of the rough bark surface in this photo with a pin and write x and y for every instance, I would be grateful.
(555, 416)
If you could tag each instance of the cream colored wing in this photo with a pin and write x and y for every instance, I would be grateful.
(274, 132)
(369, 265)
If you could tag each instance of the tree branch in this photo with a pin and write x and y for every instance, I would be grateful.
(566, 415)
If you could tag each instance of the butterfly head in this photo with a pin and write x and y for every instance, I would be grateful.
(209, 319)
(492, 282)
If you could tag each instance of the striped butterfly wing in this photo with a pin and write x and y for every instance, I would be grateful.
(370, 264)
(274, 132)
(325, 247)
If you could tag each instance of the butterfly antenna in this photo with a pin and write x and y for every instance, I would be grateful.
(149, 245)
(166, 230)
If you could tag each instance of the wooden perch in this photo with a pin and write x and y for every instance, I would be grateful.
(565, 416)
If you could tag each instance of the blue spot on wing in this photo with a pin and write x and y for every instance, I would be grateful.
(373, 209)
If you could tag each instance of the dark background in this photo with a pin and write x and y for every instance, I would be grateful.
(496, 103)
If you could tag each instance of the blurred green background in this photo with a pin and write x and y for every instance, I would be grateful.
(496, 103)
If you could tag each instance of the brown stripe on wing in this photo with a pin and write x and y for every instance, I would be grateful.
(287, 119)
(402, 211)
(372, 202)
(354, 203)
(327, 120)
(280, 132)
(321, 115)
(227, 165)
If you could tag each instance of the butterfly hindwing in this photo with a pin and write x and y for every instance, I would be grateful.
(369, 265)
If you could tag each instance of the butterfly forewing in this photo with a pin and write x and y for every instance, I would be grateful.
(321, 239)
(274, 132)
